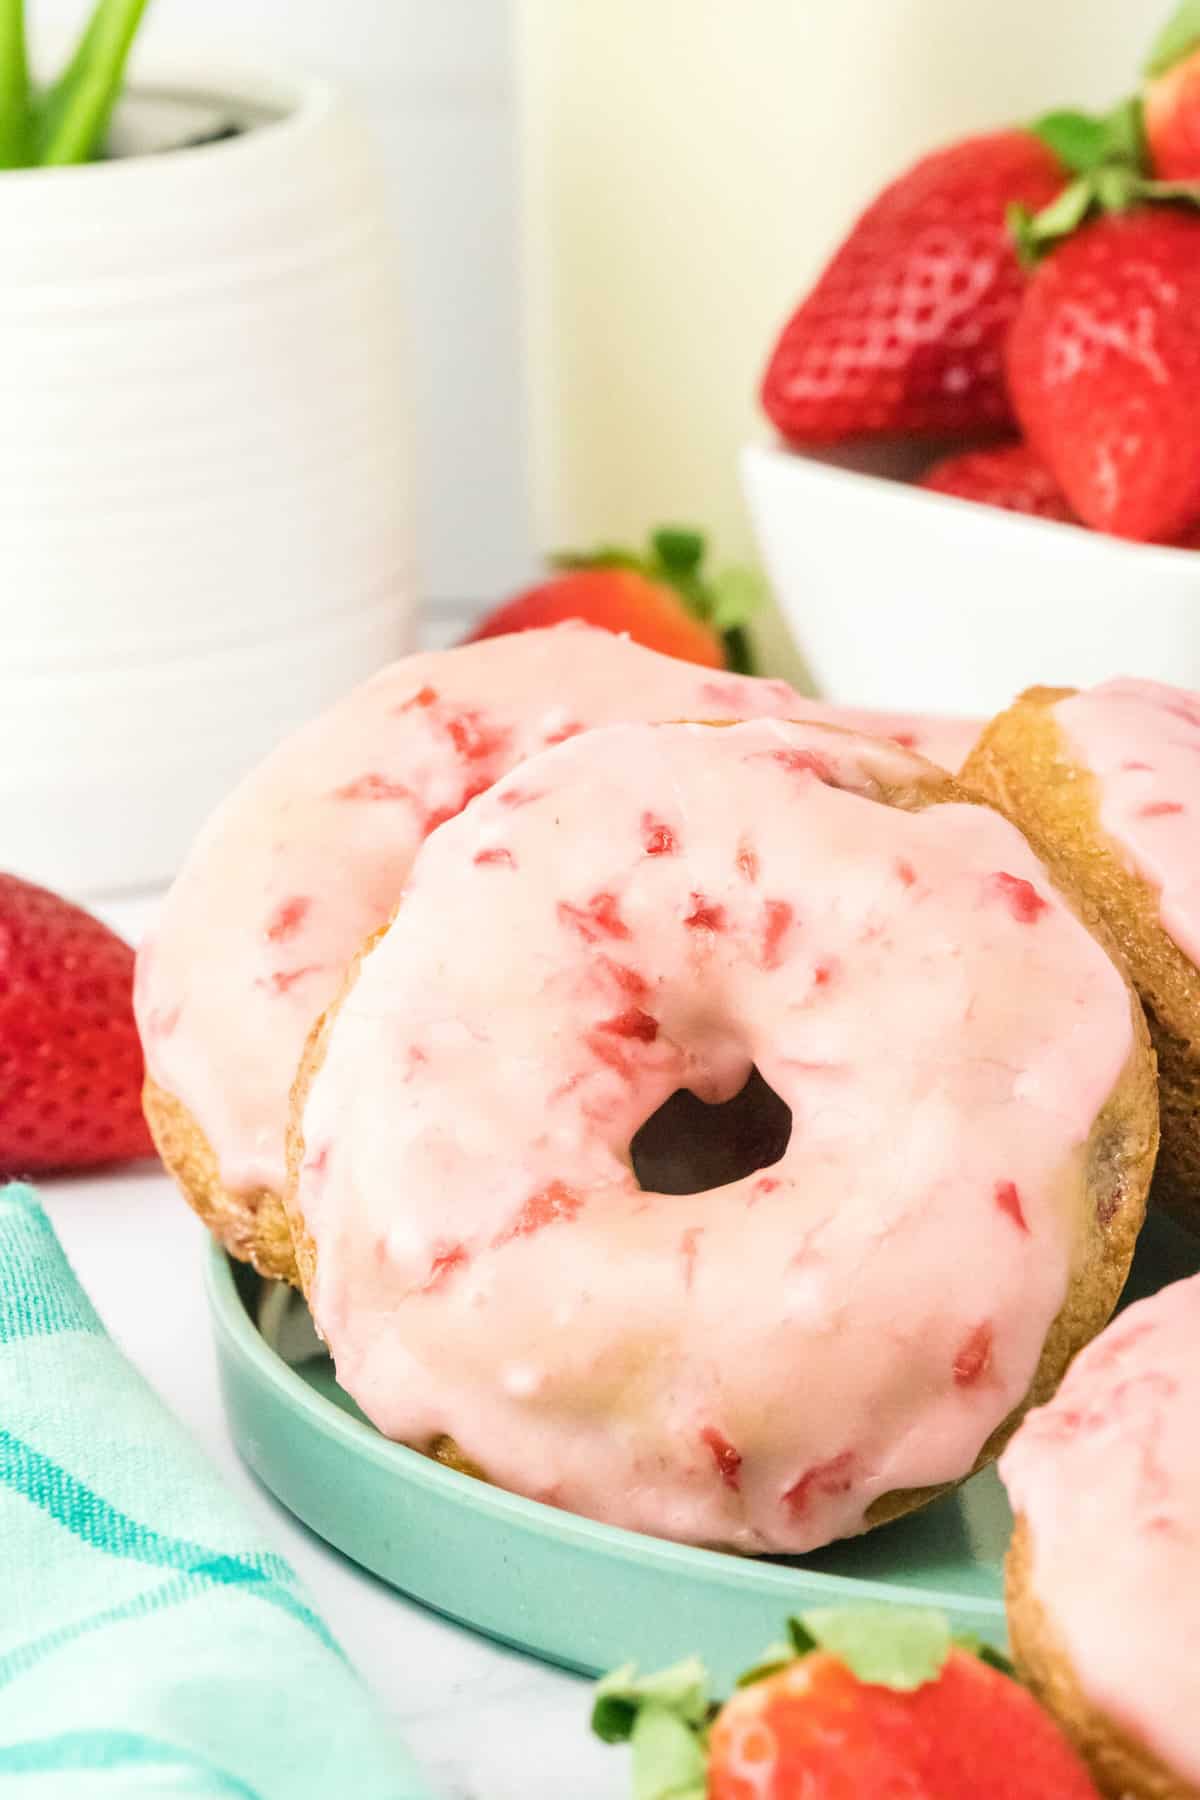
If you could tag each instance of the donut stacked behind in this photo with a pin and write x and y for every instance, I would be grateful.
(1107, 783)
(311, 853)
(1104, 1570)
(804, 1351)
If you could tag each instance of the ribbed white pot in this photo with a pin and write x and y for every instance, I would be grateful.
(204, 459)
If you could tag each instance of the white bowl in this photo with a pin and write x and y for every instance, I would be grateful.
(901, 598)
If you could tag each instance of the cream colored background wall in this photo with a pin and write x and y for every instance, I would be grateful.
(605, 207)
(687, 164)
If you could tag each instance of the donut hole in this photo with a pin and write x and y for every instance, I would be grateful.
(690, 1145)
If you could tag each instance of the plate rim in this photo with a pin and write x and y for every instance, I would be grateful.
(241, 1338)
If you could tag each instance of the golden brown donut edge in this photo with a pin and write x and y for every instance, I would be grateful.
(252, 1226)
(1121, 1768)
(1022, 766)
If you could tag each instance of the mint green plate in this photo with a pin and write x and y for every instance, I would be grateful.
(584, 1595)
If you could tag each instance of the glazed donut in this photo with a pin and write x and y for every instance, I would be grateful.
(1103, 1575)
(310, 854)
(1107, 783)
(856, 1320)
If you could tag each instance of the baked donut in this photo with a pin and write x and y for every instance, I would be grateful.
(1107, 783)
(310, 853)
(1103, 1575)
(858, 1318)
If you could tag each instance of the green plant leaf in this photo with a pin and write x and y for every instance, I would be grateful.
(891, 1646)
(1177, 39)
(74, 114)
(681, 1690)
(669, 1758)
(16, 107)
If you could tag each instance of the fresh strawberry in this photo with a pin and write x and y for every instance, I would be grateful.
(661, 599)
(866, 1703)
(1171, 97)
(70, 1061)
(905, 330)
(1104, 364)
(1010, 476)
(814, 1730)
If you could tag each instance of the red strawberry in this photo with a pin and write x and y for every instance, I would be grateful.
(70, 1061)
(905, 330)
(1171, 98)
(814, 1730)
(662, 599)
(616, 600)
(866, 1702)
(1010, 476)
(1104, 369)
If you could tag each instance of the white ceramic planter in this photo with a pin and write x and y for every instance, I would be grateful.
(203, 468)
(904, 599)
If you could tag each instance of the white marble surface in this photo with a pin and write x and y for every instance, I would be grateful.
(484, 1722)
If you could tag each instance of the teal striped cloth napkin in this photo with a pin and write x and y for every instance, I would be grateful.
(150, 1644)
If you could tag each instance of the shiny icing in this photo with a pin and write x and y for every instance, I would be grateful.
(310, 853)
(655, 907)
(1108, 1479)
(1141, 742)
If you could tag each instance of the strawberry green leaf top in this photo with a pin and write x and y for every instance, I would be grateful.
(1108, 188)
(662, 1717)
(1177, 39)
(674, 558)
(1083, 141)
(662, 596)
(681, 1690)
(898, 1647)
(862, 1700)
(665, 1716)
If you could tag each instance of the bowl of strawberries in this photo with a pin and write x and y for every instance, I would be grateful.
(986, 469)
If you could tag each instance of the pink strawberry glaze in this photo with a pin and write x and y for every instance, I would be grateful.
(857, 1321)
(1141, 741)
(310, 853)
(1108, 1478)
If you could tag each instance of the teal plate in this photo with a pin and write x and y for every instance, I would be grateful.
(564, 1588)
